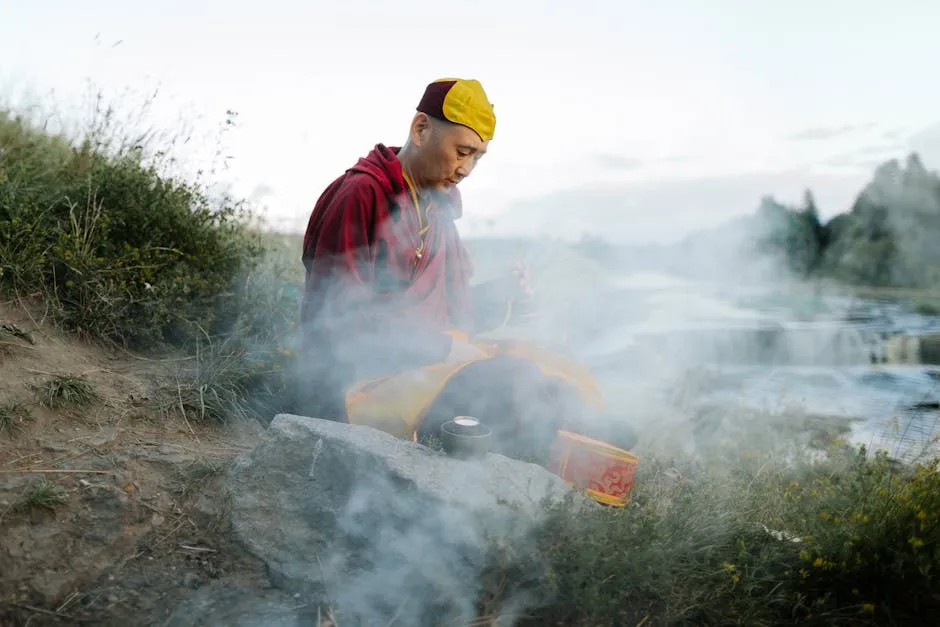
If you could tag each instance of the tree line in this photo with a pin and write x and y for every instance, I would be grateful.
(889, 237)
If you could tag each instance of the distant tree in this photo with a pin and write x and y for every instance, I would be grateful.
(594, 247)
(890, 236)
(792, 236)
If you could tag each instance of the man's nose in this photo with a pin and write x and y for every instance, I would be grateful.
(464, 169)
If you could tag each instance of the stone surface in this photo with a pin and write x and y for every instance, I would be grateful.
(376, 526)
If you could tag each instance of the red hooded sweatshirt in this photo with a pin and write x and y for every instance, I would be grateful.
(372, 304)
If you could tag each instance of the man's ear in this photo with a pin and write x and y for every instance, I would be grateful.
(420, 129)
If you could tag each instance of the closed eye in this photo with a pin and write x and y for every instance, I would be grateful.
(464, 151)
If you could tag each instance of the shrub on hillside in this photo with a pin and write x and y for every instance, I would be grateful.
(116, 249)
(850, 541)
(97, 232)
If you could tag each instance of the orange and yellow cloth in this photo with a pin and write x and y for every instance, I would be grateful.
(397, 403)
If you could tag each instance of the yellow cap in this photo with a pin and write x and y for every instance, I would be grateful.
(460, 101)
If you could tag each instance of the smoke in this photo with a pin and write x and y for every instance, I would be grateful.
(672, 332)
(428, 560)
(654, 346)
(703, 347)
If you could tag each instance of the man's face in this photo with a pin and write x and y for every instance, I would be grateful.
(450, 154)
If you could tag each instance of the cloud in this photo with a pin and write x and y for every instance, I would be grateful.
(867, 157)
(610, 161)
(892, 144)
(618, 162)
(667, 210)
(678, 159)
(829, 132)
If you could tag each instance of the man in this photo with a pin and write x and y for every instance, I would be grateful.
(389, 315)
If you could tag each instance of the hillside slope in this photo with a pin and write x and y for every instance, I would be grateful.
(101, 490)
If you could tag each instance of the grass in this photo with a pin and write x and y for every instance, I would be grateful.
(65, 390)
(847, 541)
(98, 229)
(192, 478)
(46, 496)
(228, 380)
(12, 418)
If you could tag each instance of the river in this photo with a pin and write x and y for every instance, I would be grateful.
(771, 350)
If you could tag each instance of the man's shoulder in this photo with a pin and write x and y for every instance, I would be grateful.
(358, 181)
(355, 187)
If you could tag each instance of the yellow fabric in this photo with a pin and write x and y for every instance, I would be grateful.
(397, 403)
(558, 367)
(466, 103)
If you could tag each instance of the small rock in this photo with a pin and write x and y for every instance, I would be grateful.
(105, 436)
(162, 501)
(191, 580)
(120, 479)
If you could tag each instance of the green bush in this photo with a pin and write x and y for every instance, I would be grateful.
(853, 540)
(95, 231)
(117, 250)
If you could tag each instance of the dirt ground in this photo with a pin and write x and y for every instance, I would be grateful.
(112, 513)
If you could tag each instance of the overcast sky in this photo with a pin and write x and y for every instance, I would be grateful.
(637, 120)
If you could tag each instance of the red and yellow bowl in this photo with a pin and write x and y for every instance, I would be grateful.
(604, 472)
